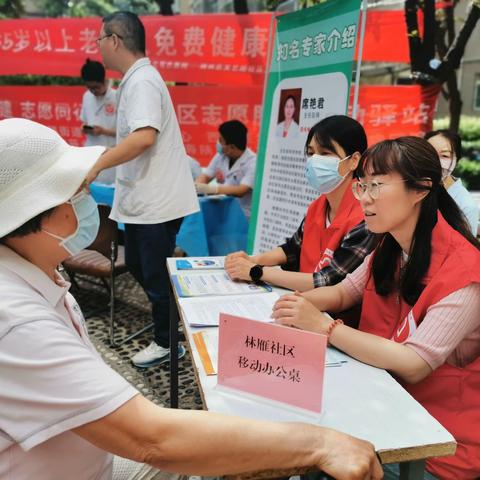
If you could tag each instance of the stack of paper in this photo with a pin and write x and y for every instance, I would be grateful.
(205, 311)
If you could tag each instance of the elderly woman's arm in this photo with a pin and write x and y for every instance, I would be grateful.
(205, 443)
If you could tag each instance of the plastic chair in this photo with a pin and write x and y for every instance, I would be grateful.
(104, 259)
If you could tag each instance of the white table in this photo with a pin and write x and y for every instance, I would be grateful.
(358, 399)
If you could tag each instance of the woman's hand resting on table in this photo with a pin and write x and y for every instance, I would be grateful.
(238, 265)
(293, 310)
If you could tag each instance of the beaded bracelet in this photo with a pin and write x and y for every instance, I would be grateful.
(332, 326)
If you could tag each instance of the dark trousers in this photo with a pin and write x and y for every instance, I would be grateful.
(146, 250)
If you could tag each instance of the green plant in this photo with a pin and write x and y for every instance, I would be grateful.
(469, 172)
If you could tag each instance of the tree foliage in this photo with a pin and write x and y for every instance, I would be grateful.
(11, 8)
(93, 8)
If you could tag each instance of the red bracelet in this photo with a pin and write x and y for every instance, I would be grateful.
(332, 326)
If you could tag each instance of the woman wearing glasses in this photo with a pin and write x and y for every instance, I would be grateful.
(420, 295)
(332, 239)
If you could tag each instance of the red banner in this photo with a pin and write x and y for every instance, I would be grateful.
(386, 37)
(393, 111)
(217, 49)
(200, 110)
(385, 111)
(221, 49)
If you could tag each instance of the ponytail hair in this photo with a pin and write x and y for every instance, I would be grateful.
(417, 162)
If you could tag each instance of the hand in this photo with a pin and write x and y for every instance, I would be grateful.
(295, 311)
(349, 458)
(206, 189)
(219, 176)
(231, 257)
(239, 267)
(97, 130)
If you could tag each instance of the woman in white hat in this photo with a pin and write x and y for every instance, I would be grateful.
(62, 409)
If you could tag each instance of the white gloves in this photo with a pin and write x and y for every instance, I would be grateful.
(206, 189)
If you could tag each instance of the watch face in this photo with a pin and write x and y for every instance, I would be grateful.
(256, 273)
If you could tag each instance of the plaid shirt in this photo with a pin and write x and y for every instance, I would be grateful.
(355, 246)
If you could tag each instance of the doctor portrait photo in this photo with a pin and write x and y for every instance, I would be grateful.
(289, 113)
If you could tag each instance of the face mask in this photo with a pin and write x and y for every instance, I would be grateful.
(322, 172)
(88, 222)
(219, 148)
(448, 166)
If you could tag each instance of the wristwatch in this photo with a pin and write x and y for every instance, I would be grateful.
(256, 273)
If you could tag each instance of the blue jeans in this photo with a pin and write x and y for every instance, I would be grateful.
(392, 472)
(146, 250)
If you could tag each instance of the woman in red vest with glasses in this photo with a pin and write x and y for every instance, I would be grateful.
(420, 294)
(333, 224)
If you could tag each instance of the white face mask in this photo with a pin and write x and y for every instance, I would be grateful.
(88, 223)
(448, 166)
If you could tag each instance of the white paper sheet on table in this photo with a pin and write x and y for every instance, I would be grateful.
(205, 311)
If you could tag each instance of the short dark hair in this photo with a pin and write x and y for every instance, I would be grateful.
(453, 138)
(129, 28)
(30, 226)
(234, 132)
(93, 71)
(345, 131)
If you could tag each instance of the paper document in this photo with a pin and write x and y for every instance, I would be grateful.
(206, 263)
(335, 358)
(205, 311)
(213, 283)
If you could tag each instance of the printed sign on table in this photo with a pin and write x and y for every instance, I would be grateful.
(271, 361)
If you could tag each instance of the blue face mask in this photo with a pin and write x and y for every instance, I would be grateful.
(88, 223)
(322, 172)
(219, 148)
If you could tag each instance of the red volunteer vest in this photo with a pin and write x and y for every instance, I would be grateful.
(319, 242)
(450, 394)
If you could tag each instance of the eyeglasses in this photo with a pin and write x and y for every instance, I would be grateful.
(372, 188)
(99, 39)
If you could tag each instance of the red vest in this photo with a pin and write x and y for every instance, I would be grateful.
(450, 394)
(319, 242)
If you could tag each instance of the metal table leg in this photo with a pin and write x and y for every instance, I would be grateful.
(173, 351)
(412, 470)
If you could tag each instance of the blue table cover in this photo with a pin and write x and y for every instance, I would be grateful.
(218, 229)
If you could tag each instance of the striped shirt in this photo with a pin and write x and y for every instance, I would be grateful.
(450, 330)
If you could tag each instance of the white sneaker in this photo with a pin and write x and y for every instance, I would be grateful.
(154, 355)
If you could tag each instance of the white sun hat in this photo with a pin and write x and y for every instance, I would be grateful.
(38, 170)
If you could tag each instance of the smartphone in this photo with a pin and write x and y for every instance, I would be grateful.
(87, 127)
